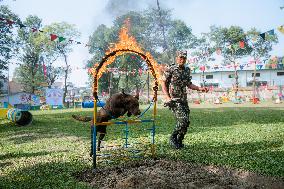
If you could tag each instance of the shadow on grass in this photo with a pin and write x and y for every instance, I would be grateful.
(62, 124)
(207, 119)
(265, 157)
(44, 175)
(27, 154)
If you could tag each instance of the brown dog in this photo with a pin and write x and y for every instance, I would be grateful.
(117, 105)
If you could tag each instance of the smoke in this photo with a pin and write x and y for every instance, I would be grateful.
(117, 8)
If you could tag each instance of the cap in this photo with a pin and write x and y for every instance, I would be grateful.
(182, 54)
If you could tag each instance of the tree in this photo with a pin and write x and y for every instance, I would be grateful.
(228, 41)
(30, 72)
(8, 43)
(53, 50)
(260, 48)
(145, 28)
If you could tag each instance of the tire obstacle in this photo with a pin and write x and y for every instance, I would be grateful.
(126, 44)
(20, 117)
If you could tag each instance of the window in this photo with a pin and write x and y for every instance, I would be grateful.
(280, 73)
(209, 76)
(231, 75)
(256, 74)
(257, 83)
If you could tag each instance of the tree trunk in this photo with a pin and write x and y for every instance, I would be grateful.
(65, 77)
(236, 80)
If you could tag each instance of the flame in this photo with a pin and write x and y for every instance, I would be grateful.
(126, 44)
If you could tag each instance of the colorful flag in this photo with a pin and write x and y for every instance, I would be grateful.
(262, 35)
(281, 29)
(60, 39)
(242, 44)
(53, 37)
(271, 32)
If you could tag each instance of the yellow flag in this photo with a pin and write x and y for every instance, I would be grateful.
(281, 29)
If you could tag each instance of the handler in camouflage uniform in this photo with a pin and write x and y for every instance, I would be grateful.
(175, 79)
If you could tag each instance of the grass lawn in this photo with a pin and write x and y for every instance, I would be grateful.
(49, 152)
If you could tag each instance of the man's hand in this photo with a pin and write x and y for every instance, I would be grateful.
(203, 89)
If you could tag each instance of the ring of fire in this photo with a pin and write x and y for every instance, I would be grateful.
(126, 44)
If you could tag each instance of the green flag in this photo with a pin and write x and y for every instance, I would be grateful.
(61, 39)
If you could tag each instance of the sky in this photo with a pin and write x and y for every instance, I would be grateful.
(197, 14)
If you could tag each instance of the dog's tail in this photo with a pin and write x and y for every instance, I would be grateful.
(82, 118)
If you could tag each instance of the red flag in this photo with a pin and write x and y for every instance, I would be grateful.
(10, 22)
(53, 37)
(202, 68)
(242, 44)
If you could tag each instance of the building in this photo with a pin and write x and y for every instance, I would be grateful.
(226, 78)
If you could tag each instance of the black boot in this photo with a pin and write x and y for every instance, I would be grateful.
(173, 141)
(180, 138)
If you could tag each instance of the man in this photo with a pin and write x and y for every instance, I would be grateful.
(175, 79)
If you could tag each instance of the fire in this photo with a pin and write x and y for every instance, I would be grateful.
(126, 44)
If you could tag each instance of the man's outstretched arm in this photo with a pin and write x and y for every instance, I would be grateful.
(195, 87)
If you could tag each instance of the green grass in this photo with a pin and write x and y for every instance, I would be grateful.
(49, 152)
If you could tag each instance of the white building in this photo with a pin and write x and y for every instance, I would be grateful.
(225, 78)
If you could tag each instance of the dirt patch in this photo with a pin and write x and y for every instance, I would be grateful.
(176, 174)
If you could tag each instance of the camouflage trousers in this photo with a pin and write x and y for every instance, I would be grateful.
(181, 113)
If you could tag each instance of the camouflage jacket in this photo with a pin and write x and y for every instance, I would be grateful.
(177, 79)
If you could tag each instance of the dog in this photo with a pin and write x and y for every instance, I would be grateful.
(117, 105)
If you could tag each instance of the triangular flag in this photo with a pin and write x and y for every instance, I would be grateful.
(242, 67)
(281, 29)
(60, 39)
(271, 32)
(10, 22)
(34, 29)
(242, 44)
(77, 42)
(53, 37)
(262, 35)
(41, 31)
(22, 25)
(71, 40)
(202, 68)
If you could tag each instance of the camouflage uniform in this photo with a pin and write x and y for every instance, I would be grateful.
(177, 79)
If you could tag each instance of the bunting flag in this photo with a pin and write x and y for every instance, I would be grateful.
(34, 30)
(10, 22)
(262, 35)
(271, 32)
(53, 37)
(242, 67)
(242, 44)
(281, 29)
(60, 39)
(202, 68)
